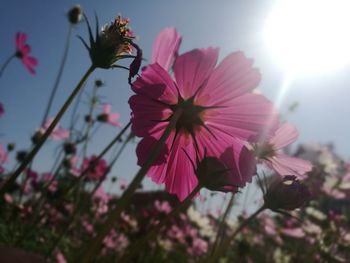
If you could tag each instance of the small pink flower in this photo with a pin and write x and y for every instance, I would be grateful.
(163, 207)
(2, 109)
(57, 133)
(96, 171)
(270, 153)
(60, 258)
(22, 52)
(3, 155)
(293, 232)
(108, 116)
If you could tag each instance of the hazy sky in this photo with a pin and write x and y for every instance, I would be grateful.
(323, 114)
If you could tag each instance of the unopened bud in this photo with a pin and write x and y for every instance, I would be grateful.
(69, 148)
(75, 14)
(286, 194)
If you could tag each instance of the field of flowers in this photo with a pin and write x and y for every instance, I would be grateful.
(198, 123)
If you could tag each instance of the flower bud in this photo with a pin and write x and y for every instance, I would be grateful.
(213, 175)
(99, 83)
(11, 147)
(69, 148)
(286, 194)
(21, 155)
(74, 14)
(36, 137)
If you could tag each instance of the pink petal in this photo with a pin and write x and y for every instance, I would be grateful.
(28, 66)
(25, 49)
(32, 61)
(180, 178)
(294, 232)
(106, 108)
(286, 165)
(193, 68)
(166, 47)
(284, 136)
(20, 39)
(245, 116)
(146, 115)
(233, 77)
(231, 152)
(156, 83)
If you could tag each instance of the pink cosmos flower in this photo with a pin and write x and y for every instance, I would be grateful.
(57, 134)
(219, 111)
(108, 116)
(22, 52)
(97, 171)
(270, 153)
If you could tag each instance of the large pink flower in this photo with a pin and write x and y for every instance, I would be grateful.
(22, 52)
(270, 152)
(219, 111)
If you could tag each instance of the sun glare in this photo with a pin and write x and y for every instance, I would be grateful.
(309, 36)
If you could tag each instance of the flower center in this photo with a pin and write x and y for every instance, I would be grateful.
(191, 115)
(263, 150)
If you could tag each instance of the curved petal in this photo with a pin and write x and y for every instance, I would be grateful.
(180, 178)
(233, 77)
(286, 165)
(156, 83)
(106, 108)
(147, 116)
(245, 117)
(284, 136)
(20, 39)
(26, 49)
(231, 152)
(165, 47)
(193, 68)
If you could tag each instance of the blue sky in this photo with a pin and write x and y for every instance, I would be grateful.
(231, 25)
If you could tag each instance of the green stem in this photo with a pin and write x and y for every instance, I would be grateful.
(94, 246)
(135, 248)
(221, 229)
(226, 243)
(6, 63)
(12, 178)
(89, 125)
(58, 77)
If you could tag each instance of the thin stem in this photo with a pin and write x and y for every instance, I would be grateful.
(93, 247)
(226, 243)
(135, 248)
(89, 125)
(6, 63)
(81, 176)
(12, 178)
(58, 77)
(221, 229)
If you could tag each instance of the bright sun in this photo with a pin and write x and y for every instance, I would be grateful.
(309, 36)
